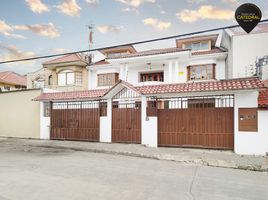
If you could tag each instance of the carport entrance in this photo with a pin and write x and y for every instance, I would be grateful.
(203, 122)
(126, 117)
(75, 121)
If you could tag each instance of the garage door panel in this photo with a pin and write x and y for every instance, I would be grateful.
(196, 127)
(78, 123)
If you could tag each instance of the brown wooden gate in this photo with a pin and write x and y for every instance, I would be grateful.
(75, 121)
(196, 122)
(126, 122)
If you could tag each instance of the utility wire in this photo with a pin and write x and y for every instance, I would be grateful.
(126, 44)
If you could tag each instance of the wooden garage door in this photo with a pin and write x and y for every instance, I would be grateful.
(75, 121)
(126, 122)
(203, 126)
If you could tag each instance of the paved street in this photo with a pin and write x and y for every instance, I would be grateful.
(47, 173)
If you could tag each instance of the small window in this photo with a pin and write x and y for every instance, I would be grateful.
(50, 80)
(46, 109)
(248, 119)
(103, 109)
(78, 78)
(197, 46)
(201, 72)
(155, 76)
(108, 79)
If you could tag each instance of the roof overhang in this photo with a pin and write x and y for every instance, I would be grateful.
(151, 58)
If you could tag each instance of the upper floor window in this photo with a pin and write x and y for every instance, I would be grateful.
(68, 77)
(201, 72)
(152, 76)
(198, 46)
(107, 79)
(50, 80)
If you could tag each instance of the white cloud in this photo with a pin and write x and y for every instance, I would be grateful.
(6, 30)
(135, 3)
(205, 12)
(163, 12)
(157, 23)
(130, 9)
(109, 28)
(69, 7)
(93, 2)
(48, 30)
(11, 52)
(59, 50)
(37, 6)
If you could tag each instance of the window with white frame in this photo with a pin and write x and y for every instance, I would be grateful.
(68, 77)
(197, 46)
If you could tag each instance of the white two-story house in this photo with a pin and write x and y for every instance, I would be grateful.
(183, 96)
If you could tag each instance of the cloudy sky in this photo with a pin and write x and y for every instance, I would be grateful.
(39, 27)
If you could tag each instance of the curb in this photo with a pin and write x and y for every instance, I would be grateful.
(200, 162)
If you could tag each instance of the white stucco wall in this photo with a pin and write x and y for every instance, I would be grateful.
(106, 124)
(246, 48)
(251, 143)
(149, 127)
(44, 124)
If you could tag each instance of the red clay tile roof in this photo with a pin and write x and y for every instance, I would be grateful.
(212, 51)
(13, 78)
(101, 62)
(151, 52)
(263, 96)
(67, 58)
(208, 86)
(263, 99)
(86, 94)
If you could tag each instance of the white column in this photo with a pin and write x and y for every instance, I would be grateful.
(170, 71)
(126, 72)
(106, 124)
(176, 71)
(121, 75)
(149, 126)
(44, 124)
(89, 80)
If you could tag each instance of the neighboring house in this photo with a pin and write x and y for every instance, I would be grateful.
(12, 81)
(186, 96)
(66, 73)
(245, 50)
(38, 79)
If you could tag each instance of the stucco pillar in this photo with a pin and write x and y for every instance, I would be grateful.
(126, 72)
(106, 124)
(121, 75)
(170, 71)
(176, 71)
(149, 126)
(44, 124)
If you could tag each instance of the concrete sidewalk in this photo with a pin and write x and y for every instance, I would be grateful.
(215, 158)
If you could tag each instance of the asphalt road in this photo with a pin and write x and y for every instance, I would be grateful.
(41, 173)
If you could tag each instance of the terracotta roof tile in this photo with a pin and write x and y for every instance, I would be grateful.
(212, 51)
(208, 86)
(263, 99)
(101, 62)
(151, 52)
(13, 78)
(67, 58)
(86, 94)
